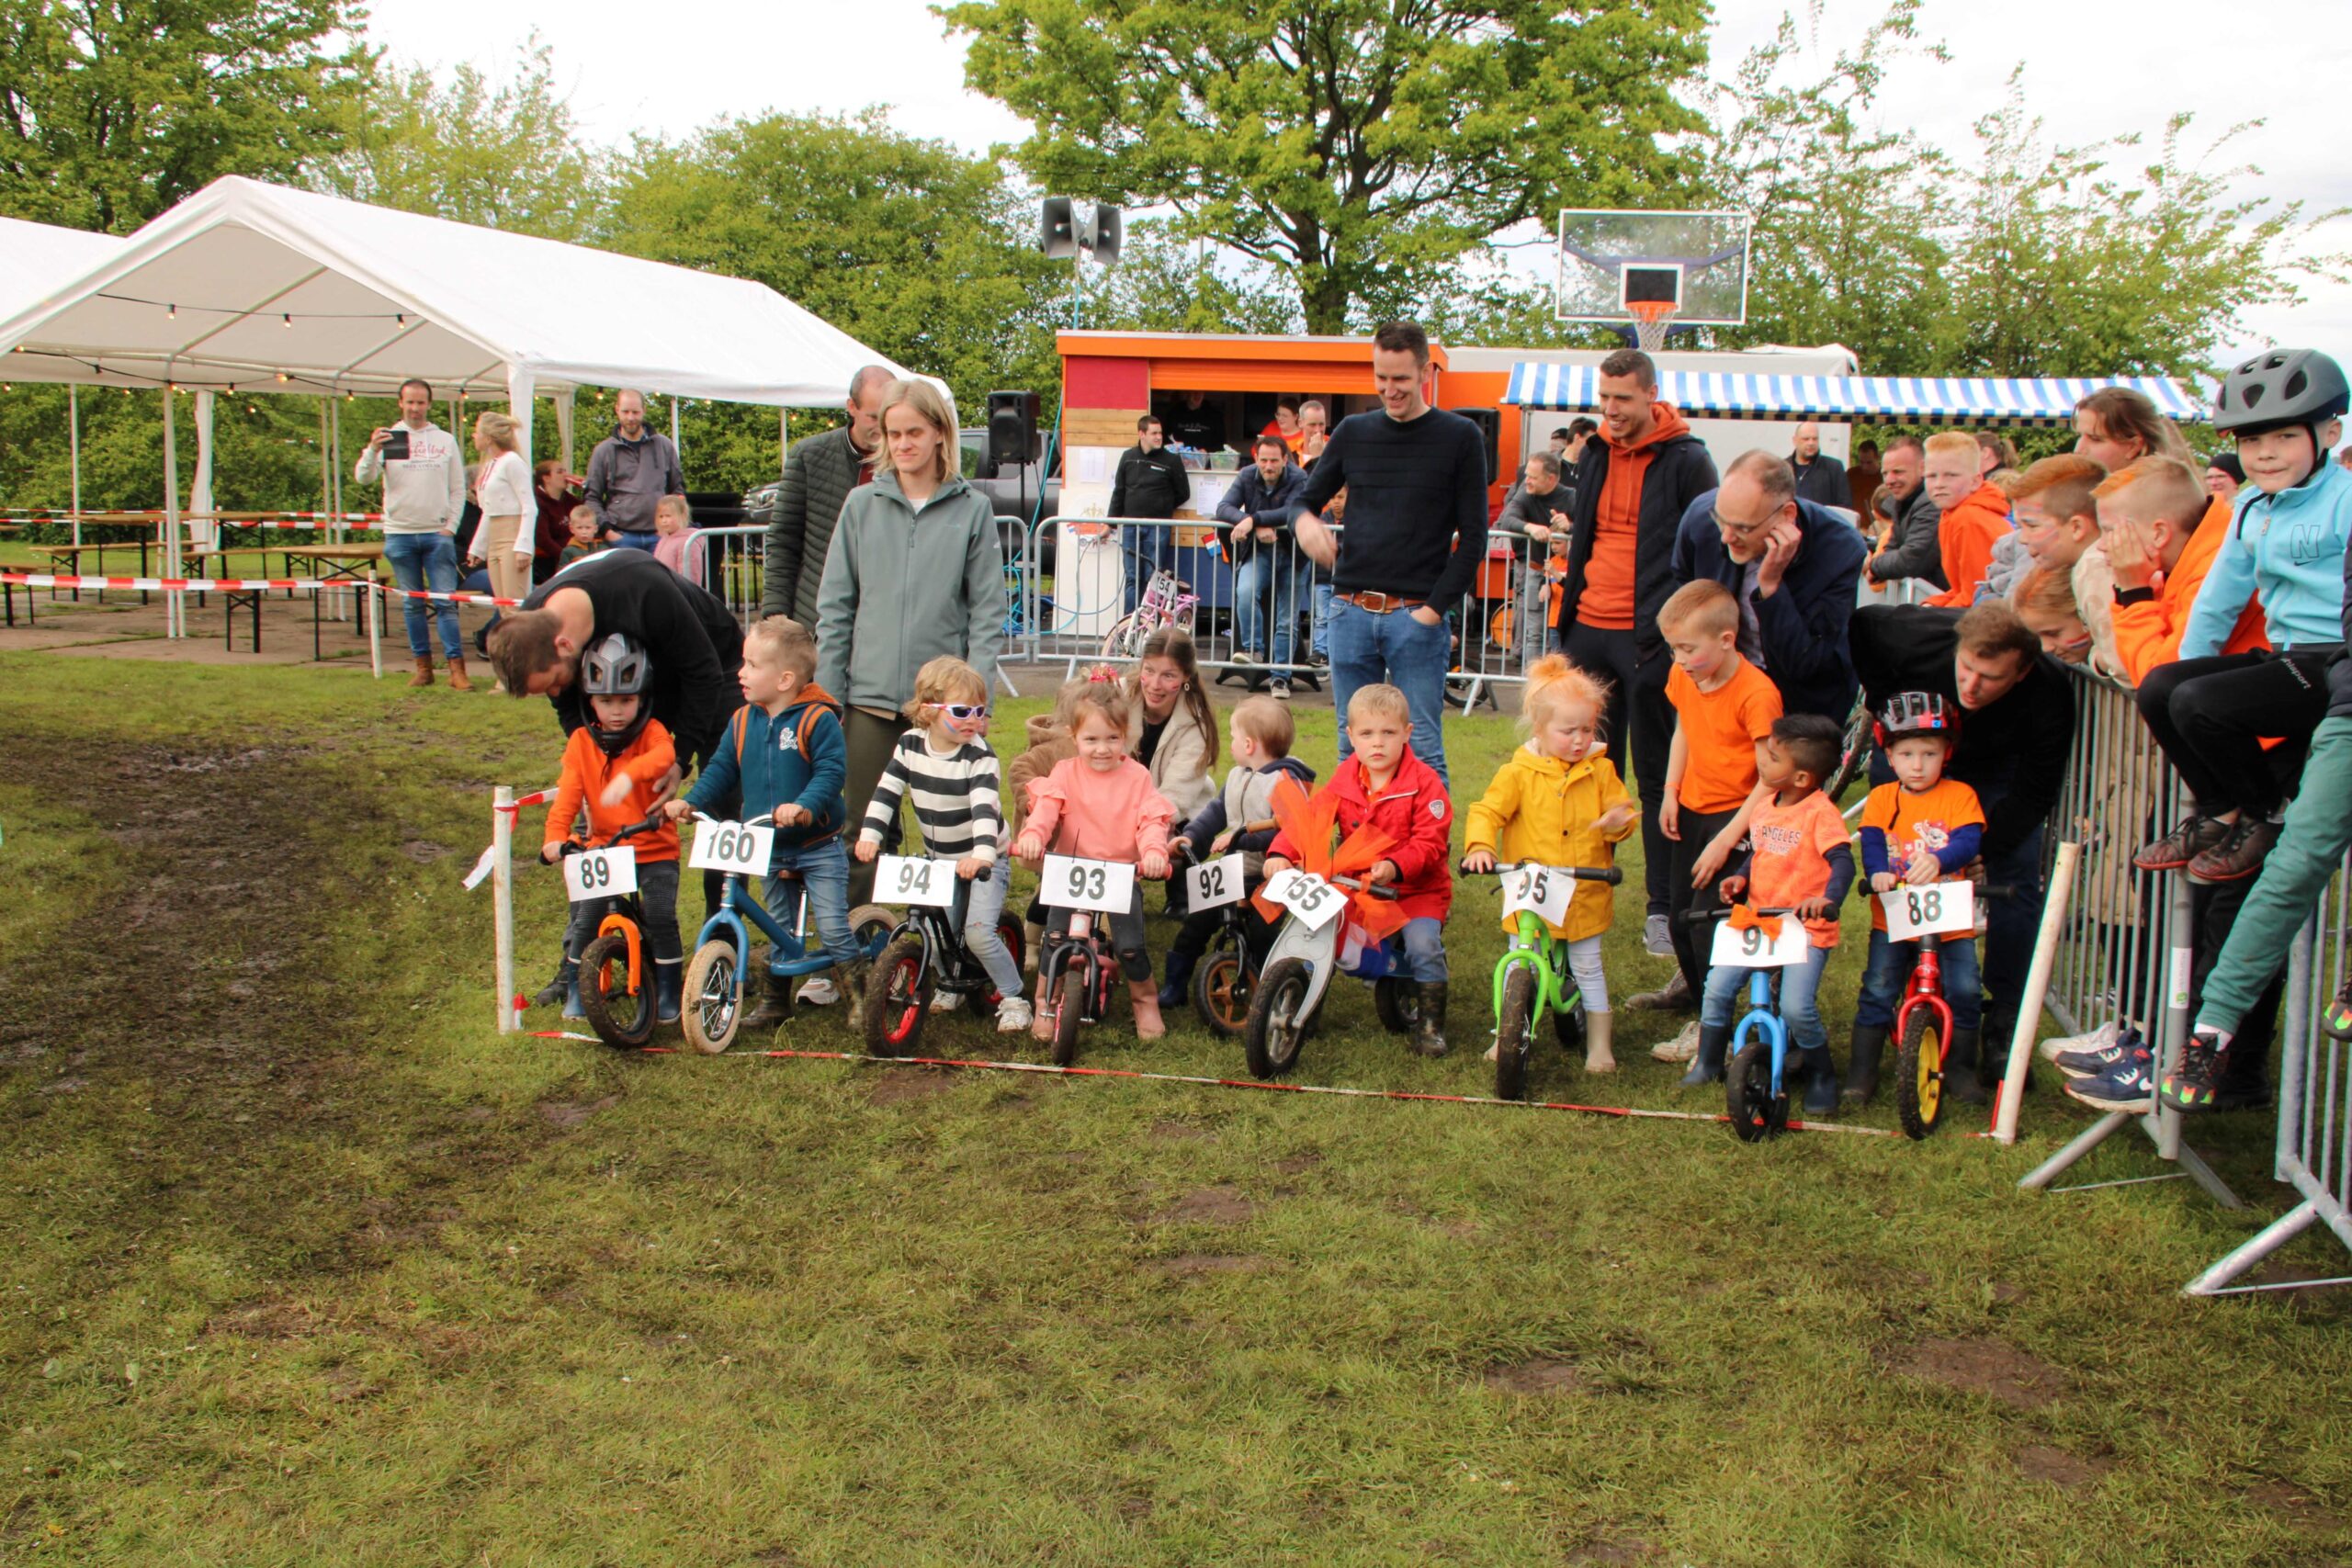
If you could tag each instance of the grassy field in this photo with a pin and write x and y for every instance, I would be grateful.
(306, 1265)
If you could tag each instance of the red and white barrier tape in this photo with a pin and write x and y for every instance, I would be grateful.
(481, 870)
(125, 519)
(244, 585)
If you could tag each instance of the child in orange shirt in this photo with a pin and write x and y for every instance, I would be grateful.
(1799, 859)
(610, 766)
(1922, 828)
(1100, 804)
(1723, 709)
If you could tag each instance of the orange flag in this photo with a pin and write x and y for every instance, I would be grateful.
(1308, 822)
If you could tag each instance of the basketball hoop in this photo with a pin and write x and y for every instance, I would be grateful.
(1652, 317)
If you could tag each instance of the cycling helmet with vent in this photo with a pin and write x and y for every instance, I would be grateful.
(1910, 713)
(2284, 386)
(614, 666)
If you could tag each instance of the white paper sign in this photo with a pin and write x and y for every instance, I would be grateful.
(1068, 883)
(1538, 890)
(732, 846)
(1306, 896)
(1938, 910)
(1749, 948)
(1217, 884)
(600, 873)
(902, 879)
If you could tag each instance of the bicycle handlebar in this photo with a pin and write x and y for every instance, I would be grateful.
(574, 847)
(1608, 874)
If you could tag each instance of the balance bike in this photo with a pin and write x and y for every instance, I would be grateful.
(924, 955)
(1532, 979)
(1297, 972)
(613, 977)
(1075, 973)
(1756, 1094)
(1225, 978)
(1923, 1025)
(713, 1004)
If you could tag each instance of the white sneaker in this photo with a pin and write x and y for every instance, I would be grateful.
(2098, 1039)
(1681, 1048)
(947, 1002)
(1012, 1015)
(819, 992)
(1242, 656)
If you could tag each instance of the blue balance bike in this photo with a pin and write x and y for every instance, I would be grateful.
(714, 984)
(1756, 1093)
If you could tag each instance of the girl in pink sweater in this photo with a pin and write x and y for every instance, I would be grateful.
(1100, 804)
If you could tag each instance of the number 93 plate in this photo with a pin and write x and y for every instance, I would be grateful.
(1068, 883)
(1940, 908)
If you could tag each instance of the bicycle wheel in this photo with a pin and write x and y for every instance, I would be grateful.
(1919, 1073)
(896, 999)
(1398, 1008)
(870, 926)
(1515, 1034)
(1070, 1016)
(620, 1018)
(1016, 942)
(713, 1001)
(1221, 988)
(1854, 756)
(1756, 1113)
(1270, 1038)
(1568, 1025)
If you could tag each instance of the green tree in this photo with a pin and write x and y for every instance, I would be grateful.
(1164, 283)
(504, 155)
(112, 110)
(1360, 145)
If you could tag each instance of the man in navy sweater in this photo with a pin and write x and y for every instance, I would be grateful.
(1416, 479)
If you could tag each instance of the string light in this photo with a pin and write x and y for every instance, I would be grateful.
(290, 319)
(173, 311)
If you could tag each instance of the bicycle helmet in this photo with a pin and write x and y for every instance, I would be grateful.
(1910, 714)
(2284, 386)
(614, 666)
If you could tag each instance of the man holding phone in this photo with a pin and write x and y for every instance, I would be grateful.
(423, 474)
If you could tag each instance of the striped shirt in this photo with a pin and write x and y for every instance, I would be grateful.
(955, 798)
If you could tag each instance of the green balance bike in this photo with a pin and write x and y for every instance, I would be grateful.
(1531, 979)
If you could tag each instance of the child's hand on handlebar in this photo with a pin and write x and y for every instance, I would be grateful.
(866, 850)
(676, 810)
(1884, 882)
(1382, 873)
(792, 816)
(1154, 864)
(1029, 848)
(1924, 868)
(1273, 864)
(1733, 889)
(551, 854)
(1477, 862)
(1814, 910)
(970, 867)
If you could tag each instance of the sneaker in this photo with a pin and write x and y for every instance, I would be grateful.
(1242, 656)
(1278, 689)
(2097, 1064)
(2192, 838)
(2192, 1086)
(819, 992)
(947, 1002)
(2098, 1039)
(2239, 856)
(1657, 937)
(1321, 661)
(2338, 1020)
(1681, 1048)
(2127, 1086)
(1673, 997)
(1012, 1015)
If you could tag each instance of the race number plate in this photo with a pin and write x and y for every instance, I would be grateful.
(600, 873)
(732, 846)
(1940, 908)
(1306, 896)
(1538, 890)
(1749, 948)
(1215, 885)
(1069, 883)
(903, 879)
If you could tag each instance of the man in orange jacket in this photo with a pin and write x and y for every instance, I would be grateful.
(1976, 514)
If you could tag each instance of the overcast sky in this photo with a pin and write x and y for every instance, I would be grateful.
(2092, 71)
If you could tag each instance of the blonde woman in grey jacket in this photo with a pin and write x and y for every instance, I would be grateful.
(914, 571)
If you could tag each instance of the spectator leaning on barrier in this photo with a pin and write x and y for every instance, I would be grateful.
(424, 475)
(2055, 503)
(1533, 512)
(2016, 732)
(2160, 532)
(1820, 479)
(1266, 567)
(1971, 513)
(1416, 477)
(631, 470)
(1634, 485)
(1793, 566)
(819, 473)
(1914, 547)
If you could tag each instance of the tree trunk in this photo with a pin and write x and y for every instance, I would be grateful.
(1323, 296)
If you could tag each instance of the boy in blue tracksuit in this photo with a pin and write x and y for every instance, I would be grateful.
(784, 752)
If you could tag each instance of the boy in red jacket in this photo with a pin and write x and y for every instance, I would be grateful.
(1384, 784)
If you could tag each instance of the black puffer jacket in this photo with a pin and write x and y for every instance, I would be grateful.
(1681, 472)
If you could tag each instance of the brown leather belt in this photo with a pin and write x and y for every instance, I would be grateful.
(1381, 603)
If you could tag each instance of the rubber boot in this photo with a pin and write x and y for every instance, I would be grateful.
(1961, 1069)
(1599, 1033)
(1179, 975)
(1033, 945)
(457, 682)
(1861, 1069)
(1820, 1081)
(669, 985)
(1708, 1065)
(1041, 1020)
(1145, 998)
(775, 1007)
(571, 1007)
(567, 974)
(1429, 1023)
(423, 674)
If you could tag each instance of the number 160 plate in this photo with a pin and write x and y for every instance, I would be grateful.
(1069, 883)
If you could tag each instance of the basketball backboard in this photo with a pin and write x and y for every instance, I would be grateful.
(1619, 266)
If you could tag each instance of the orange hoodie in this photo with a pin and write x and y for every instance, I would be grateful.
(1606, 602)
(586, 772)
(2148, 631)
(1969, 531)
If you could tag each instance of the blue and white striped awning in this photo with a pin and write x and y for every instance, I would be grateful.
(1860, 399)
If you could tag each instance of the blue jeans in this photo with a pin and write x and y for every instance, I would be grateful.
(427, 562)
(985, 903)
(824, 870)
(1799, 985)
(1367, 649)
(1271, 571)
(1146, 547)
(629, 538)
(1322, 615)
(1424, 942)
(1890, 972)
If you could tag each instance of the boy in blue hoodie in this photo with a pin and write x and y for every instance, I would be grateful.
(2285, 547)
(784, 752)
(1240, 821)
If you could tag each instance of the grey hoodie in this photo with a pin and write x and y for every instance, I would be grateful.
(903, 587)
(424, 491)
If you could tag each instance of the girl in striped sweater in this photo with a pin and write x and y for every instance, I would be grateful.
(945, 767)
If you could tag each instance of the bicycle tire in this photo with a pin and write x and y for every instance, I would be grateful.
(1515, 1034)
(1270, 1039)
(1071, 1016)
(1221, 987)
(1756, 1113)
(711, 1003)
(620, 1020)
(1568, 1025)
(896, 999)
(1919, 1074)
(1397, 1009)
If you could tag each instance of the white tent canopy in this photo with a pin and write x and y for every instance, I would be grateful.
(37, 261)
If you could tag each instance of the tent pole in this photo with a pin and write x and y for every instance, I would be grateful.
(783, 438)
(326, 483)
(674, 436)
(172, 606)
(73, 440)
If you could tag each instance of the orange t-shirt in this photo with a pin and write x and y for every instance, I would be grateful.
(1792, 858)
(1720, 730)
(1915, 822)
